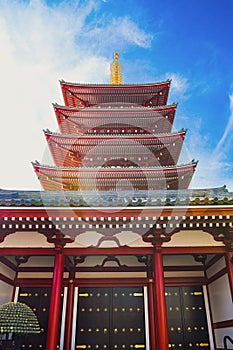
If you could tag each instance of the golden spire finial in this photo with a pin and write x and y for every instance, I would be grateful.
(116, 71)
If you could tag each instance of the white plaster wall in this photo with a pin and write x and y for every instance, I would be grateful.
(87, 239)
(220, 334)
(6, 289)
(25, 239)
(6, 292)
(218, 266)
(192, 239)
(6, 271)
(220, 299)
(139, 243)
(180, 260)
(111, 275)
(90, 238)
(39, 261)
(175, 274)
(35, 274)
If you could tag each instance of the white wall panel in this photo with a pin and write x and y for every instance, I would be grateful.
(192, 239)
(219, 265)
(39, 261)
(220, 299)
(208, 317)
(35, 275)
(180, 260)
(220, 334)
(6, 291)
(111, 275)
(26, 239)
(177, 274)
(7, 271)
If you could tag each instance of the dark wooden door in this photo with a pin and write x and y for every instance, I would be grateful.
(38, 299)
(93, 326)
(110, 318)
(187, 324)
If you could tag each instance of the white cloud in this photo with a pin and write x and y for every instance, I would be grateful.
(212, 172)
(214, 165)
(132, 34)
(39, 46)
(179, 86)
(227, 135)
(214, 168)
(116, 33)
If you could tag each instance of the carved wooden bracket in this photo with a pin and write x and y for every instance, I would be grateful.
(21, 259)
(224, 235)
(158, 236)
(71, 262)
(145, 259)
(111, 258)
(79, 259)
(200, 258)
(57, 238)
(229, 239)
(4, 233)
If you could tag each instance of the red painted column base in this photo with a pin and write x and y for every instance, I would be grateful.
(69, 312)
(55, 303)
(151, 314)
(161, 312)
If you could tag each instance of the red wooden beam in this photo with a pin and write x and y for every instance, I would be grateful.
(114, 251)
(27, 251)
(110, 282)
(108, 269)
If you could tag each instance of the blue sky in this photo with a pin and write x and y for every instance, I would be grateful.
(189, 41)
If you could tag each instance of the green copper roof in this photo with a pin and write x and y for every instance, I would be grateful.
(191, 197)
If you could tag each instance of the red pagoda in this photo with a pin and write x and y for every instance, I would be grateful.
(126, 257)
(115, 137)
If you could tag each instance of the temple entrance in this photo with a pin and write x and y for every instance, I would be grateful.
(187, 324)
(114, 318)
(110, 318)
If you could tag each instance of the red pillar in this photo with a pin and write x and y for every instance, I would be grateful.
(229, 261)
(151, 315)
(161, 312)
(55, 303)
(69, 312)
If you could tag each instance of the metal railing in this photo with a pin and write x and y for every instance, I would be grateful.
(225, 340)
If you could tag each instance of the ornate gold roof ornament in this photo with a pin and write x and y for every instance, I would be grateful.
(116, 71)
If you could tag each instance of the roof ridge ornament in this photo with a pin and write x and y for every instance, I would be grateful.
(115, 71)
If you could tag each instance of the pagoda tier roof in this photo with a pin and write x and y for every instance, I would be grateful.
(84, 95)
(108, 109)
(73, 120)
(189, 197)
(103, 178)
(99, 138)
(85, 150)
